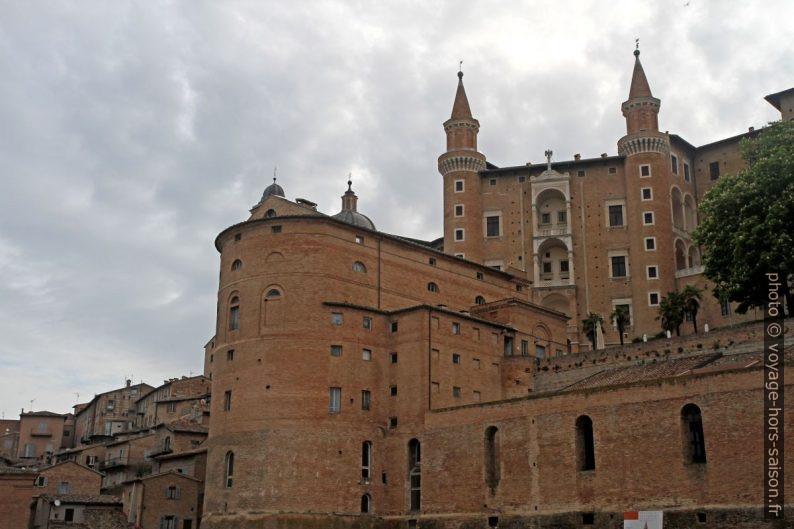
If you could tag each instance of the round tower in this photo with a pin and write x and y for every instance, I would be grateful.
(460, 167)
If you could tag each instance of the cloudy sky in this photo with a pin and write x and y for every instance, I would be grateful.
(131, 133)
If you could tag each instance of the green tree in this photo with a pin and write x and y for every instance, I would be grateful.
(747, 225)
(691, 303)
(590, 326)
(621, 318)
(671, 312)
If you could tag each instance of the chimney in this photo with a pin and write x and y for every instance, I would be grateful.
(577, 156)
(129, 382)
(751, 129)
(603, 155)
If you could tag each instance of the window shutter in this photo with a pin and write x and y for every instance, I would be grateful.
(178, 493)
(167, 493)
(162, 522)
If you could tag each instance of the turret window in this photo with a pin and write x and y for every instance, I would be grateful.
(645, 171)
(458, 186)
(459, 235)
(234, 314)
(432, 287)
(646, 193)
(479, 300)
(458, 210)
(229, 470)
(674, 163)
(237, 264)
(359, 267)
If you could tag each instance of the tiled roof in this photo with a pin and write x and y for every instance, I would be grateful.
(85, 499)
(41, 414)
(640, 373)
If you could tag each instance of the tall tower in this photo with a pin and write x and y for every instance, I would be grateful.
(649, 184)
(460, 166)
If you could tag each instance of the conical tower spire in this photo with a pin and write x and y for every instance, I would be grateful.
(639, 83)
(461, 109)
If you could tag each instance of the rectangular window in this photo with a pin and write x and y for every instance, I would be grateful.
(492, 226)
(394, 326)
(393, 358)
(455, 358)
(276, 229)
(564, 266)
(540, 351)
(63, 487)
(455, 328)
(432, 261)
(334, 400)
(546, 267)
(367, 323)
(687, 178)
(393, 391)
(68, 516)
(365, 399)
(562, 217)
(392, 423)
(545, 218)
(359, 239)
(227, 401)
(653, 299)
(627, 308)
(458, 186)
(616, 215)
(714, 170)
(612, 170)
(647, 218)
(230, 354)
(171, 408)
(618, 266)
(456, 392)
(492, 181)
(725, 308)
(646, 193)
(477, 396)
(522, 179)
(168, 522)
(653, 272)
(650, 244)
(234, 318)
(580, 172)
(459, 234)
(524, 348)
(366, 354)
(645, 171)
(458, 210)
(674, 163)
(480, 276)
(336, 318)
(336, 350)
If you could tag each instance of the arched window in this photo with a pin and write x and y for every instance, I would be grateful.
(366, 504)
(493, 471)
(479, 300)
(237, 264)
(234, 314)
(229, 470)
(358, 266)
(366, 461)
(273, 293)
(432, 287)
(270, 213)
(692, 430)
(585, 446)
(167, 443)
(415, 474)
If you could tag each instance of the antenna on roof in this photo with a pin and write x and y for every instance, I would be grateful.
(31, 404)
(275, 170)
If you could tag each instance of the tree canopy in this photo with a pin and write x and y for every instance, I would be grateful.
(747, 221)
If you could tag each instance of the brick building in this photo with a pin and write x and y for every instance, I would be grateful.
(108, 413)
(16, 489)
(40, 434)
(363, 379)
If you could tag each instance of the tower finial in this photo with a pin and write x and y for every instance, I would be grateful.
(460, 69)
(548, 154)
(637, 47)
(350, 181)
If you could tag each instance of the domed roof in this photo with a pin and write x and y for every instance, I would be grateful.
(273, 189)
(355, 218)
(349, 213)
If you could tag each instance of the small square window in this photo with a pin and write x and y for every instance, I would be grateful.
(432, 261)
(653, 299)
(392, 423)
(522, 179)
(394, 326)
(653, 272)
(393, 391)
(580, 172)
(459, 234)
(393, 358)
(647, 218)
(650, 244)
(456, 392)
(613, 170)
(275, 229)
(458, 186)
(492, 181)
(455, 328)
(367, 323)
(645, 171)
(480, 276)
(458, 210)
(646, 193)
(336, 318)
(545, 218)
(366, 354)
(336, 350)
(359, 239)
(455, 358)
(238, 236)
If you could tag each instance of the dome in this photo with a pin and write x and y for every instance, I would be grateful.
(273, 189)
(355, 218)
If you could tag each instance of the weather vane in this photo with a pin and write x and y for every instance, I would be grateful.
(460, 65)
(637, 43)
(275, 168)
